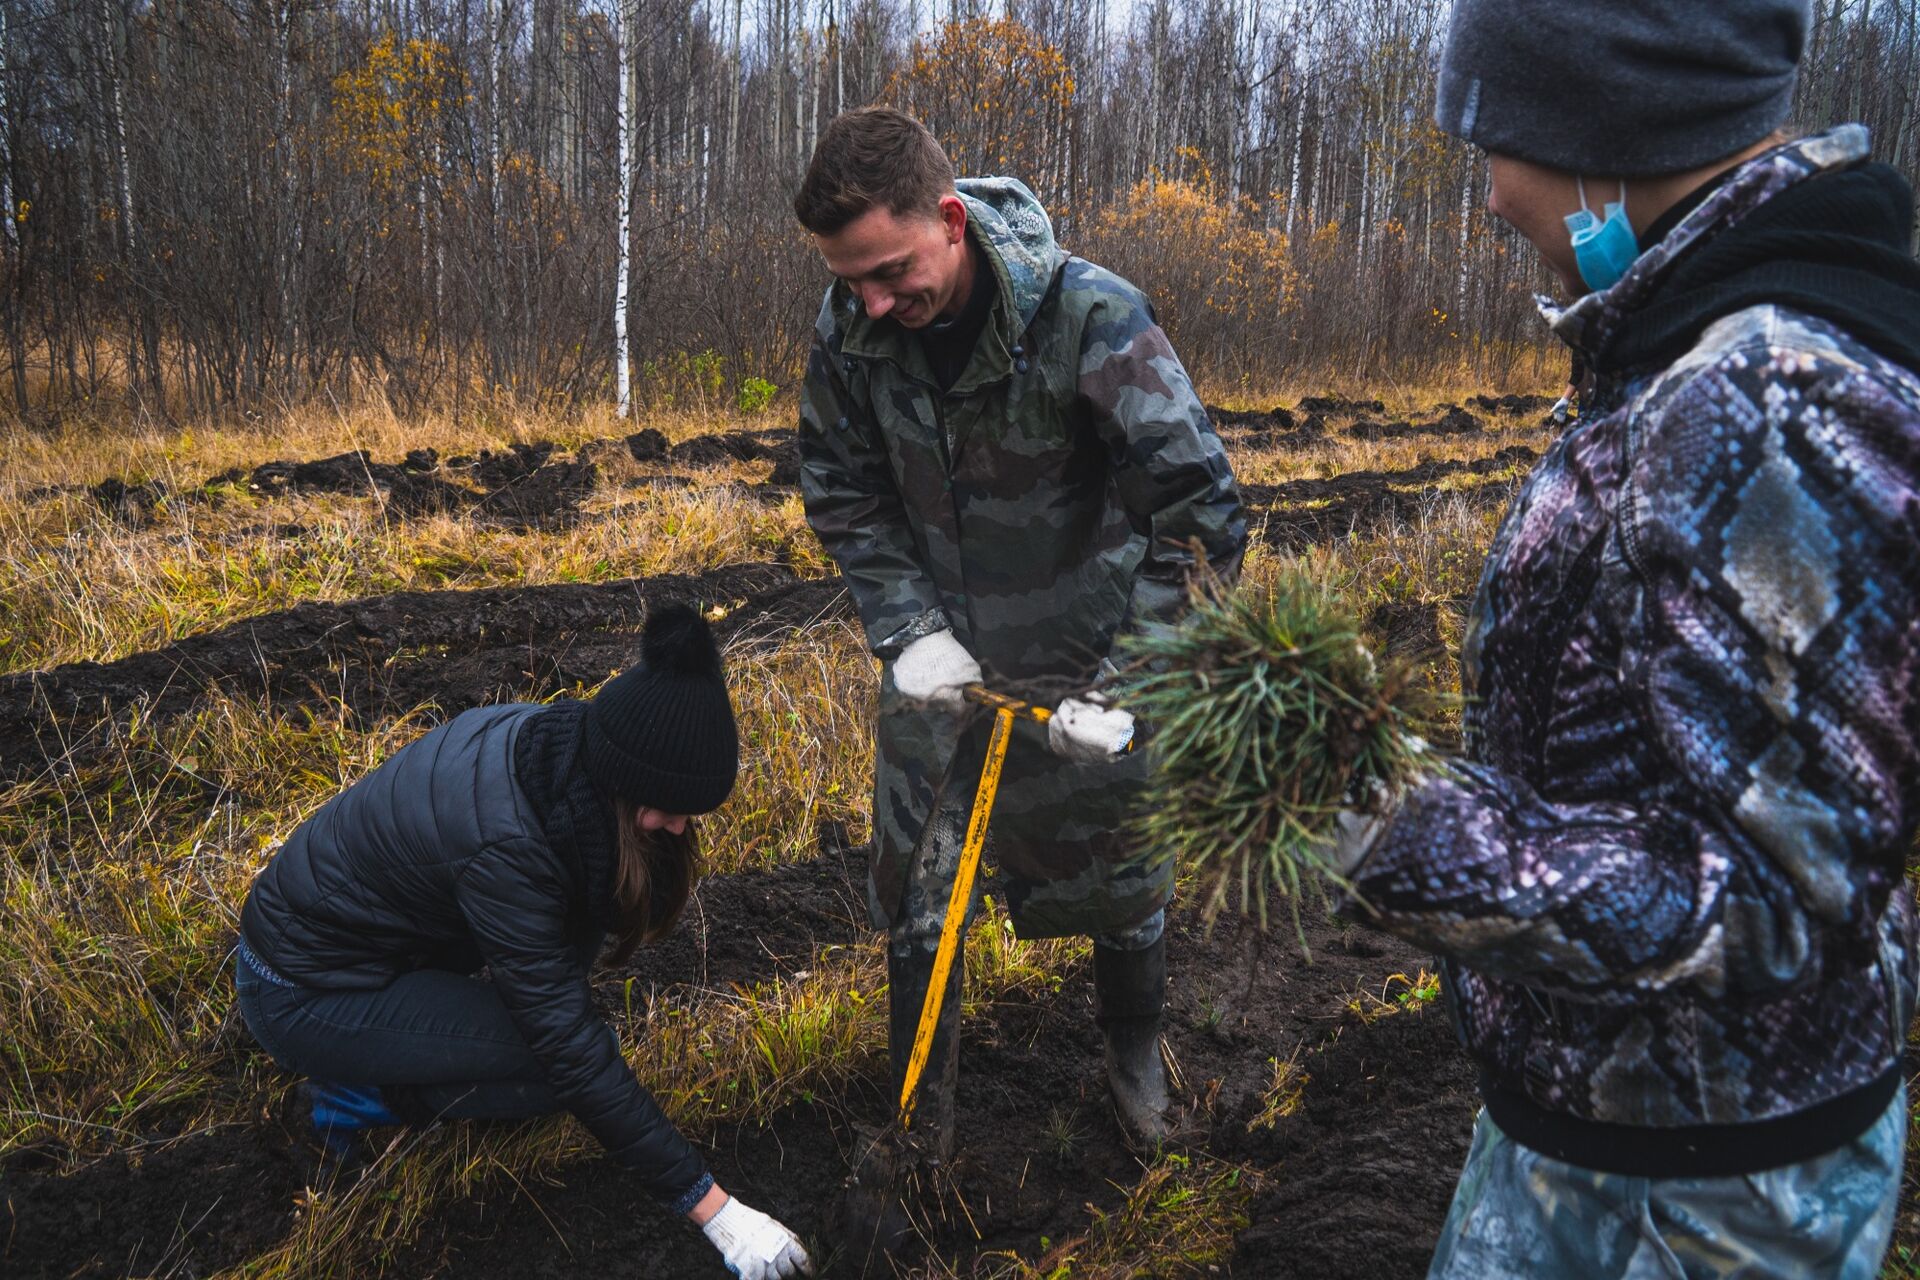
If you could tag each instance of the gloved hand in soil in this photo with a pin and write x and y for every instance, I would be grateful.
(934, 669)
(754, 1246)
(1087, 731)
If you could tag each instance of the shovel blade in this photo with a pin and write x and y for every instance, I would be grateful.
(872, 1224)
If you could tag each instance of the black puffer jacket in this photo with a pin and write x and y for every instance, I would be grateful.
(477, 844)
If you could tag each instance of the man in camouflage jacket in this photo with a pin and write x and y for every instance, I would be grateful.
(1668, 885)
(1004, 456)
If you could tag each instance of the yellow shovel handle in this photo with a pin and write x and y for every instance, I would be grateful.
(957, 904)
(979, 693)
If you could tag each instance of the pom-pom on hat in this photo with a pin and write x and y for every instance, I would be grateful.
(661, 734)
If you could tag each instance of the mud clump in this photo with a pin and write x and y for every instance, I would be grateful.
(1360, 500)
(1409, 630)
(649, 445)
(1274, 419)
(410, 487)
(546, 497)
(1277, 426)
(1336, 406)
(1512, 405)
(1453, 421)
(132, 505)
(524, 486)
(495, 469)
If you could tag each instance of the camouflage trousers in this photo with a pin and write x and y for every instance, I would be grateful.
(1518, 1215)
(929, 887)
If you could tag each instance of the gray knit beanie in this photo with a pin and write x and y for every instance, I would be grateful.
(1627, 88)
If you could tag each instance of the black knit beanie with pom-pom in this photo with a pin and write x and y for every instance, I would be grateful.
(661, 735)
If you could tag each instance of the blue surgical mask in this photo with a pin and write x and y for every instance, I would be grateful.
(1602, 250)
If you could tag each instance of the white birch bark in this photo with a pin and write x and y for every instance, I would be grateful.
(7, 209)
(7, 206)
(622, 371)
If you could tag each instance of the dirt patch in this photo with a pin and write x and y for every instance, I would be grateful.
(1391, 1099)
(1359, 482)
(381, 654)
(1453, 421)
(1339, 407)
(1361, 500)
(1512, 405)
(183, 1208)
(1274, 427)
(780, 447)
(525, 486)
(132, 505)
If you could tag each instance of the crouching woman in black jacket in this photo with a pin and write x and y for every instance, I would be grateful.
(516, 838)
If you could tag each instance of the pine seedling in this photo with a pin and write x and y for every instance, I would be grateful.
(1267, 716)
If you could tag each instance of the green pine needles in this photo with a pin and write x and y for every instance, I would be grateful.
(1267, 713)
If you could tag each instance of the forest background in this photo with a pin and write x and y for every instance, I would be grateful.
(226, 206)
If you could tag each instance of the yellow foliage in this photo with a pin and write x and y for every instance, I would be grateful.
(1204, 253)
(993, 92)
(385, 109)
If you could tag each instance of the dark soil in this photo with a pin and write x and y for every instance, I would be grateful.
(132, 505)
(1274, 426)
(1339, 407)
(780, 447)
(1510, 404)
(1453, 421)
(381, 654)
(1361, 500)
(1357, 1180)
(523, 486)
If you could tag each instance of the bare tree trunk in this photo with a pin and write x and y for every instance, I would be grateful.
(11, 237)
(12, 263)
(123, 174)
(733, 105)
(1299, 137)
(622, 372)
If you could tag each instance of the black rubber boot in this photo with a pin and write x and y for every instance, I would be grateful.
(1130, 994)
(909, 973)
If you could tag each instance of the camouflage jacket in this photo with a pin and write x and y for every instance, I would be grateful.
(1669, 884)
(1038, 507)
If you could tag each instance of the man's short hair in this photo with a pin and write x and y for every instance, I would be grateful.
(867, 157)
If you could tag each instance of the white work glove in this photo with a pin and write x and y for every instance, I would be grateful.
(754, 1246)
(934, 669)
(1087, 732)
(1354, 835)
(1358, 829)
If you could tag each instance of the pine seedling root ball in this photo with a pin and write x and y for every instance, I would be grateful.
(1266, 715)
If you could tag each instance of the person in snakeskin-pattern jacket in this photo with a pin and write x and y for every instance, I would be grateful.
(1667, 884)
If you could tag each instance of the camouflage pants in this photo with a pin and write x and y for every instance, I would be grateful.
(1518, 1215)
(929, 887)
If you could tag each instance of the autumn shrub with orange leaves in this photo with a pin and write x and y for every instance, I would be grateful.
(996, 95)
(1217, 276)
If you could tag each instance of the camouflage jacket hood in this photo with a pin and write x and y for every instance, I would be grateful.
(1039, 506)
(1668, 884)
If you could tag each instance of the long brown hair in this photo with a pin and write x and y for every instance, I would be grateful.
(652, 880)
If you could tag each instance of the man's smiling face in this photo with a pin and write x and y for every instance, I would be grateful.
(908, 267)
